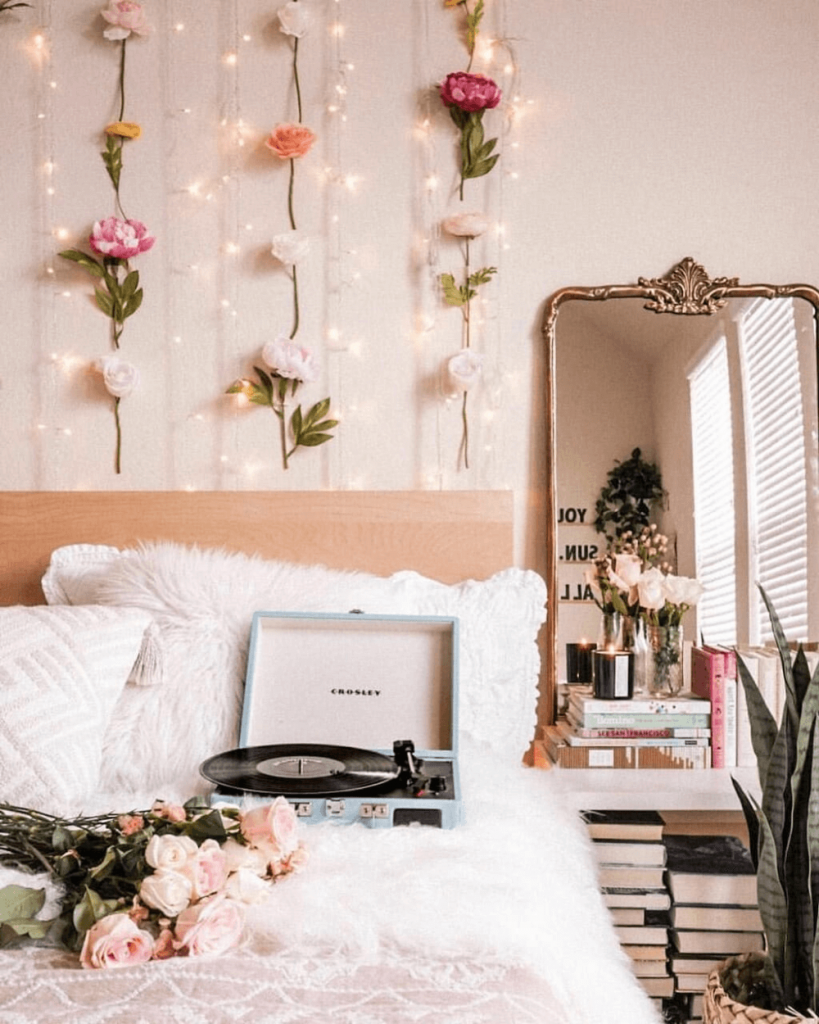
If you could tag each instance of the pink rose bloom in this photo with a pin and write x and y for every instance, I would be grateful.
(125, 17)
(173, 812)
(239, 857)
(290, 140)
(287, 359)
(164, 947)
(466, 225)
(207, 870)
(470, 92)
(121, 239)
(130, 823)
(210, 927)
(115, 941)
(273, 828)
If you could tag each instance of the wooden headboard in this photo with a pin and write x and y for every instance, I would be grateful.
(446, 535)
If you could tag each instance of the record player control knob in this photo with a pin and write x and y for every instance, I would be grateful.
(437, 784)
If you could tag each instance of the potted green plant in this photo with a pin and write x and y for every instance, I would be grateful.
(784, 837)
(632, 489)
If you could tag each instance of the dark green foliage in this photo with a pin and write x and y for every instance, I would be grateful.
(633, 488)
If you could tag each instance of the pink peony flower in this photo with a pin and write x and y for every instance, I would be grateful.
(210, 927)
(115, 941)
(120, 238)
(290, 140)
(125, 17)
(287, 359)
(273, 828)
(469, 93)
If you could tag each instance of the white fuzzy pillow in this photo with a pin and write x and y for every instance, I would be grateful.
(203, 603)
(61, 672)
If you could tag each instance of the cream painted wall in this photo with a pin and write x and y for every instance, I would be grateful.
(645, 130)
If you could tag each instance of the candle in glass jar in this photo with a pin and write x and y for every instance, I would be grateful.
(613, 673)
(579, 662)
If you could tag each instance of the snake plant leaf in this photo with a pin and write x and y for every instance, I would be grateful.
(773, 908)
(776, 796)
(801, 677)
(813, 851)
(784, 655)
(797, 877)
(763, 723)
(804, 739)
(751, 821)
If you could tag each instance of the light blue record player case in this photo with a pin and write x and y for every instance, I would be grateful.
(364, 681)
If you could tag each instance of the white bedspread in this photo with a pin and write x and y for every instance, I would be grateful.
(498, 921)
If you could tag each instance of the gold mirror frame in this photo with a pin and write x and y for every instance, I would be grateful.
(686, 290)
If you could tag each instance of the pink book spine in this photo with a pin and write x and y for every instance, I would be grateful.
(707, 669)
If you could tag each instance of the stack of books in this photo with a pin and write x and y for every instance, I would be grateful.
(714, 914)
(715, 676)
(640, 733)
(631, 858)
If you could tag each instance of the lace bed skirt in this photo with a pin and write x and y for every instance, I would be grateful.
(46, 986)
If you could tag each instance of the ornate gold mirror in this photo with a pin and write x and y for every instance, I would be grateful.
(721, 396)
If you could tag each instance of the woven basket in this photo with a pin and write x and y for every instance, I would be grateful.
(739, 973)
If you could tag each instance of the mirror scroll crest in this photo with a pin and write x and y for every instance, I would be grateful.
(687, 289)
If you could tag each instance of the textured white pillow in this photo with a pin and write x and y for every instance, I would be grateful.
(203, 603)
(75, 570)
(61, 672)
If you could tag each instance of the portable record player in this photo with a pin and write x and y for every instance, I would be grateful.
(352, 717)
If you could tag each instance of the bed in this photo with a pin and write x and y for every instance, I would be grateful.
(497, 920)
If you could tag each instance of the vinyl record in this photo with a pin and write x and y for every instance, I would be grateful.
(300, 769)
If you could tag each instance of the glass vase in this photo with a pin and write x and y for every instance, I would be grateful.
(663, 661)
(638, 643)
(611, 636)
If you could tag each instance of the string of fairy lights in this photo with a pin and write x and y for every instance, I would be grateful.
(232, 462)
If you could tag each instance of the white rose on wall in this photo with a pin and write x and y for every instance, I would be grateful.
(290, 247)
(294, 18)
(118, 375)
(465, 369)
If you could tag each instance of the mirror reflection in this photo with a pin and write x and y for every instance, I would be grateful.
(724, 403)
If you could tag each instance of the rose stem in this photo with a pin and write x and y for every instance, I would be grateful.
(117, 460)
(121, 116)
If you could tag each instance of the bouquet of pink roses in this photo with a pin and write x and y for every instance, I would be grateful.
(171, 881)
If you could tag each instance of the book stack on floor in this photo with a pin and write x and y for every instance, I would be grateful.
(714, 914)
(631, 866)
(645, 732)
